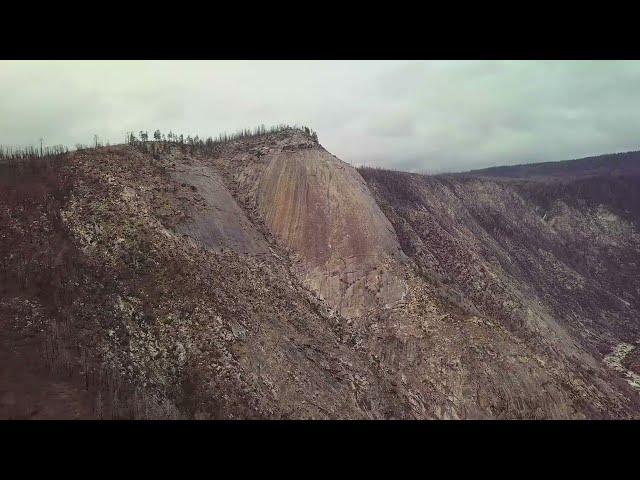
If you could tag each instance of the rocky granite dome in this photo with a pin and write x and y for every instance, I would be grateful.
(265, 278)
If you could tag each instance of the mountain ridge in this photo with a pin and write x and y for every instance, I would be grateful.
(265, 278)
(605, 164)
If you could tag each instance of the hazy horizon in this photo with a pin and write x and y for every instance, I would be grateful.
(422, 116)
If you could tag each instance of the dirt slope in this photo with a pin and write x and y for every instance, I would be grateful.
(217, 221)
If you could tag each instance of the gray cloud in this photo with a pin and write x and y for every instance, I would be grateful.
(419, 116)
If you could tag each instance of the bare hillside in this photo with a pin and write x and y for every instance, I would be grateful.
(265, 278)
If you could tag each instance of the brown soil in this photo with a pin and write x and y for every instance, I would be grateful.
(29, 389)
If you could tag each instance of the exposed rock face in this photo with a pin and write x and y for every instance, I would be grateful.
(268, 280)
(320, 209)
(216, 220)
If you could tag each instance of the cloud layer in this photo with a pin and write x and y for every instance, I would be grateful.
(419, 116)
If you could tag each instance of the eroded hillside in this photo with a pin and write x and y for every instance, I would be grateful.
(266, 278)
(555, 261)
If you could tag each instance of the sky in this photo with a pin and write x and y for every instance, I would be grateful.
(420, 116)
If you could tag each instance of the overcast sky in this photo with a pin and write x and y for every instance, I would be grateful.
(430, 116)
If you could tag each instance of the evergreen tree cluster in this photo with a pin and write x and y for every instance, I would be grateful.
(25, 154)
(143, 142)
(154, 143)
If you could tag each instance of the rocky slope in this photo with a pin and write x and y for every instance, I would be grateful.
(267, 279)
